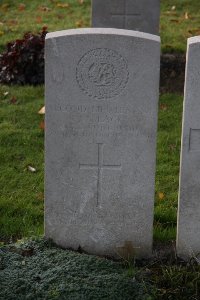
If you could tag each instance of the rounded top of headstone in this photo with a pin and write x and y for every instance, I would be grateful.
(194, 40)
(105, 31)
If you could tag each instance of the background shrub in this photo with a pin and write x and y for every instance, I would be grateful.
(23, 61)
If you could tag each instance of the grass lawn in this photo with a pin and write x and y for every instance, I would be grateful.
(21, 140)
(179, 19)
(167, 175)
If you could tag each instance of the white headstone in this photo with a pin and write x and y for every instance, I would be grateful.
(141, 15)
(188, 241)
(101, 121)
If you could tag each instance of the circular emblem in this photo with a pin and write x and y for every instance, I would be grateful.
(102, 73)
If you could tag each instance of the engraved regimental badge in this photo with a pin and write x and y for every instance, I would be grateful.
(102, 73)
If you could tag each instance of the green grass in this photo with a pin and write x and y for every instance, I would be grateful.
(167, 175)
(176, 281)
(36, 14)
(175, 28)
(21, 140)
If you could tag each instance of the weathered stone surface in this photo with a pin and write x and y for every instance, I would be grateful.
(141, 15)
(188, 242)
(101, 121)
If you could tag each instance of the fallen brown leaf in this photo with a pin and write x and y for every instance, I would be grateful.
(163, 107)
(63, 5)
(194, 31)
(40, 196)
(38, 19)
(186, 15)
(44, 8)
(42, 111)
(161, 196)
(42, 125)
(175, 20)
(79, 23)
(21, 7)
(13, 100)
(170, 13)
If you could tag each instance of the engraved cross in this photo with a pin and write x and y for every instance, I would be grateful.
(125, 14)
(100, 166)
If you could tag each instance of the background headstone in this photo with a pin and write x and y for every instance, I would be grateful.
(101, 123)
(141, 15)
(188, 241)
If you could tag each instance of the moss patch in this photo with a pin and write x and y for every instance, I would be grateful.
(39, 270)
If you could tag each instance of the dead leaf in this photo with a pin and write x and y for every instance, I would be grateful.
(44, 28)
(13, 100)
(42, 125)
(163, 107)
(40, 196)
(161, 196)
(44, 8)
(63, 5)
(42, 111)
(79, 23)
(80, 2)
(1, 33)
(175, 20)
(173, 7)
(38, 19)
(186, 15)
(31, 169)
(170, 13)
(194, 31)
(21, 7)
(5, 94)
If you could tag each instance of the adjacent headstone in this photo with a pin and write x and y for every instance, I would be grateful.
(188, 241)
(101, 121)
(141, 15)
